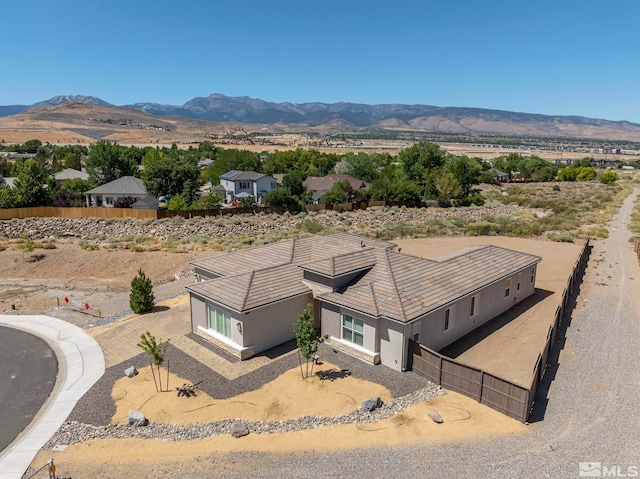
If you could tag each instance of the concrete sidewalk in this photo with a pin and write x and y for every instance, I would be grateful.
(81, 364)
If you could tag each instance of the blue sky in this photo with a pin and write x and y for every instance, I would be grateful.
(552, 57)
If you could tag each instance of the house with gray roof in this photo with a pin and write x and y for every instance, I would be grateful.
(367, 296)
(245, 184)
(109, 193)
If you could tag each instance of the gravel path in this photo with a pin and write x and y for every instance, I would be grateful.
(591, 414)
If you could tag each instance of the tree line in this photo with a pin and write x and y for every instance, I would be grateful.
(423, 173)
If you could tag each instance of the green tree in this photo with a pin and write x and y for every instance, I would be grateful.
(141, 298)
(165, 175)
(308, 338)
(466, 170)
(77, 185)
(178, 203)
(609, 177)
(281, 197)
(157, 351)
(30, 186)
(587, 173)
(7, 198)
(211, 201)
(108, 162)
(420, 157)
(449, 189)
(337, 194)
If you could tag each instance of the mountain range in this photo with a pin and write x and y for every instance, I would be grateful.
(356, 116)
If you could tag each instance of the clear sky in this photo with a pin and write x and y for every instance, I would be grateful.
(573, 57)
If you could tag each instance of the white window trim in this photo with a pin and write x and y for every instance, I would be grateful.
(354, 332)
(518, 281)
(507, 288)
(533, 275)
(209, 308)
(221, 338)
(354, 346)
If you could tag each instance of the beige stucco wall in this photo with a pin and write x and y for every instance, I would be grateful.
(332, 327)
(490, 303)
(392, 340)
(271, 325)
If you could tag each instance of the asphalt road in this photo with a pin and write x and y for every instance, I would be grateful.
(28, 370)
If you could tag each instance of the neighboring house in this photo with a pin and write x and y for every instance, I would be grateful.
(109, 193)
(369, 298)
(500, 176)
(70, 174)
(245, 184)
(208, 187)
(318, 186)
(148, 203)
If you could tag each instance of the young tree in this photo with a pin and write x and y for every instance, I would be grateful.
(31, 184)
(609, 177)
(157, 352)
(308, 338)
(27, 245)
(141, 298)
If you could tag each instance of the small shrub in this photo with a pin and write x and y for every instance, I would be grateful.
(565, 237)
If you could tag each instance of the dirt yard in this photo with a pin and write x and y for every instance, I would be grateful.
(102, 275)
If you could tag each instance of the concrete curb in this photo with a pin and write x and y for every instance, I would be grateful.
(80, 363)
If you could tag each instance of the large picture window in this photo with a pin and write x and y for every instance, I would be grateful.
(220, 321)
(353, 329)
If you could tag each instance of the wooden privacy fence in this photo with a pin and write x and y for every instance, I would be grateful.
(507, 397)
(104, 212)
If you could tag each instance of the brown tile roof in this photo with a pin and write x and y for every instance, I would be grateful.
(407, 287)
(264, 274)
(396, 285)
(343, 263)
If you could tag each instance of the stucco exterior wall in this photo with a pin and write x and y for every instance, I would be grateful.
(332, 326)
(198, 313)
(269, 326)
(392, 341)
(490, 302)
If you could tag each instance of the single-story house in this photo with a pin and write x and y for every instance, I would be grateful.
(500, 176)
(70, 174)
(367, 297)
(318, 186)
(109, 193)
(255, 185)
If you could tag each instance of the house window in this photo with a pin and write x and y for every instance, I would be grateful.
(220, 321)
(533, 275)
(353, 329)
(474, 307)
(507, 288)
(447, 314)
(519, 281)
(108, 200)
(244, 185)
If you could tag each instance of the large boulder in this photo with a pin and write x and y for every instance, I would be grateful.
(238, 430)
(371, 404)
(130, 371)
(137, 419)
